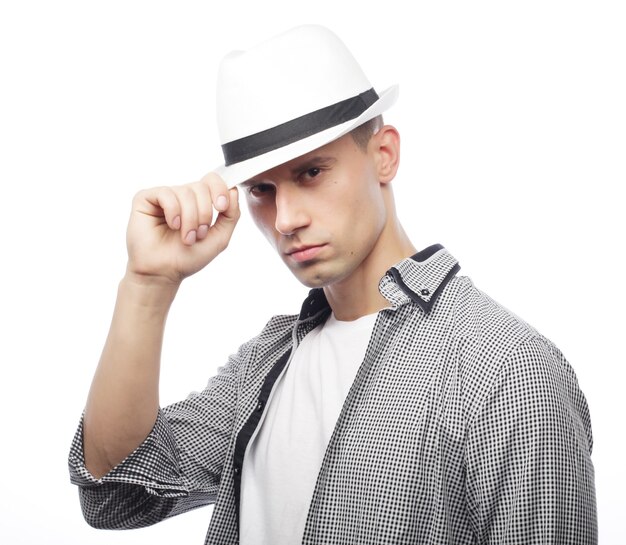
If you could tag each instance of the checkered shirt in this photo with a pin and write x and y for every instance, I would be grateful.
(464, 425)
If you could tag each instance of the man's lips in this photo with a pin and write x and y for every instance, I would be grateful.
(304, 253)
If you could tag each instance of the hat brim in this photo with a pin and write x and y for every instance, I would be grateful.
(240, 172)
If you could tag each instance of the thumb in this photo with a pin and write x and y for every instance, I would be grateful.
(227, 219)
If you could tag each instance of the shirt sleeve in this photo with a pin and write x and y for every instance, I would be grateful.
(177, 467)
(530, 478)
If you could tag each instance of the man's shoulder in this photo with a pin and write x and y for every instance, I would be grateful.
(489, 339)
(476, 313)
(487, 334)
(479, 317)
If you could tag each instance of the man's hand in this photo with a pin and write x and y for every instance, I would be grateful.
(170, 233)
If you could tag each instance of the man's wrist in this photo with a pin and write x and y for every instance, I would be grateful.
(148, 290)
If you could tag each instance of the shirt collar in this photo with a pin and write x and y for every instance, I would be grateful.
(418, 279)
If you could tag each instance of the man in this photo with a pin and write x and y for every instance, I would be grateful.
(402, 405)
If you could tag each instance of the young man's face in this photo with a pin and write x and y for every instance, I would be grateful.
(323, 211)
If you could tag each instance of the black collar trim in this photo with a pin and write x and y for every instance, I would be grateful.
(313, 304)
(426, 253)
(426, 306)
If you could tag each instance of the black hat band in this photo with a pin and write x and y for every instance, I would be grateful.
(298, 128)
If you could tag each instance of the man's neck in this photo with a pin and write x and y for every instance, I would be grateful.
(358, 294)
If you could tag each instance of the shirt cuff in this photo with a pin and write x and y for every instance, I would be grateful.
(154, 465)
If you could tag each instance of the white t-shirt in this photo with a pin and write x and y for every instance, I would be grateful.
(282, 462)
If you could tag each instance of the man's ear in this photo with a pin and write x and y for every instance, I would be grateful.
(386, 147)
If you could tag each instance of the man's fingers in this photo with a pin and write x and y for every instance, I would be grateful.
(189, 213)
(219, 191)
(232, 213)
(189, 208)
(205, 208)
(162, 202)
(227, 219)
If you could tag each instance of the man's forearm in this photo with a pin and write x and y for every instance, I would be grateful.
(123, 400)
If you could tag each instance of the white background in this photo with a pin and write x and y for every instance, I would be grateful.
(513, 121)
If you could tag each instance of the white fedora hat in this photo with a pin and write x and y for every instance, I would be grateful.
(288, 96)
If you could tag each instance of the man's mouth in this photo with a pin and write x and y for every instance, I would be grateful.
(301, 254)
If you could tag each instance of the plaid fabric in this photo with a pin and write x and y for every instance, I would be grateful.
(464, 425)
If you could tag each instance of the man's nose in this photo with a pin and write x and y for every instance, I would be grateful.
(291, 210)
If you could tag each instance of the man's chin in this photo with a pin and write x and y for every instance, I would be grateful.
(315, 276)
(313, 281)
(314, 284)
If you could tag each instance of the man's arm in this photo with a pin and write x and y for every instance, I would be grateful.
(179, 465)
(169, 237)
(530, 478)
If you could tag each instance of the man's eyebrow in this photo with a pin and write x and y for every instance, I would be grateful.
(311, 162)
(305, 164)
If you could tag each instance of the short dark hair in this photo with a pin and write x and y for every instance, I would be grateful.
(362, 134)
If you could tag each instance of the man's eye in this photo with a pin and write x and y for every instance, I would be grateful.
(311, 172)
(260, 189)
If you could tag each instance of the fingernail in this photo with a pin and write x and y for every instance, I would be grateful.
(221, 203)
(176, 223)
(191, 237)
(202, 232)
